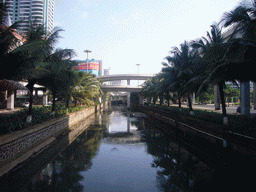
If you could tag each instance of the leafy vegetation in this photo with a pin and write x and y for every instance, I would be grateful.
(199, 65)
(33, 58)
(17, 121)
(237, 123)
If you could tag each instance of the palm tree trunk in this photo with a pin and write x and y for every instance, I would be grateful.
(189, 103)
(161, 99)
(67, 103)
(75, 102)
(53, 101)
(179, 100)
(222, 98)
(30, 101)
(30, 87)
(254, 95)
(216, 97)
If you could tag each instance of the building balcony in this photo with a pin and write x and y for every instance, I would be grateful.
(37, 13)
(37, 2)
(37, 9)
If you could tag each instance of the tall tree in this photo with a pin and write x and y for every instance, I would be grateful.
(31, 54)
(242, 21)
(215, 53)
(150, 88)
(86, 88)
(170, 75)
(186, 62)
(214, 37)
(60, 76)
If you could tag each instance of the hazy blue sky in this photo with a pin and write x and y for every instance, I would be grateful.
(123, 33)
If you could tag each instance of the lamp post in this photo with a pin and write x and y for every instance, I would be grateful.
(87, 51)
(138, 72)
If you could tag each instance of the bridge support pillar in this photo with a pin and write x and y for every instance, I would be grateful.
(254, 95)
(128, 82)
(245, 98)
(128, 121)
(10, 100)
(141, 100)
(45, 98)
(104, 100)
(128, 100)
(217, 97)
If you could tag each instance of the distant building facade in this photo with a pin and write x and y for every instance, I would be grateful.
(94, 66)
(36, 11)
(106, 71)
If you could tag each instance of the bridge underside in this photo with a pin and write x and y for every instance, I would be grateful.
(120, 89)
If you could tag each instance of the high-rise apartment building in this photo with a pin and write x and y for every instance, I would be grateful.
(35, 11)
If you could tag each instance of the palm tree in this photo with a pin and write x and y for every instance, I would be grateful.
(216, 56)
(85, 88)
(31, 54)
(243, 22)
(164, 88)
(59, 76)
(146, 90)
(204, 44)
(184, 61)
(170, 75)
(150, 88)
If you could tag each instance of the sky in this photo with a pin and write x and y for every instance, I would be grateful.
(123, 33)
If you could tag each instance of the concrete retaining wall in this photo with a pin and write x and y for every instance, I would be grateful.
(20, 145)
(197, 130)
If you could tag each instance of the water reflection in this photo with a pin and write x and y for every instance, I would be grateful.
(123, 151)
(179, 170)
(63, 174)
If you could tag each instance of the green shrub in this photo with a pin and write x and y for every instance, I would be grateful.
(237, 123)
(17, 121)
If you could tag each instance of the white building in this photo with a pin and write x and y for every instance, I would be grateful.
(38, 11)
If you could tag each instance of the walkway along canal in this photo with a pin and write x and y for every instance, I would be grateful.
(127, 151)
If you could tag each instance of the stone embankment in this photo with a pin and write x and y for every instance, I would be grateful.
(18, 146)
(204, 134)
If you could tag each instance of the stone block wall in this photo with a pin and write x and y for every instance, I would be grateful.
(20, 145)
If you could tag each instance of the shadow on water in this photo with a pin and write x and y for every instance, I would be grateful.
(63, 174)
(182, 171)
(60, 170)
(179, 170)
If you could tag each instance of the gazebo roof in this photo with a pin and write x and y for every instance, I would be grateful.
(11, 85)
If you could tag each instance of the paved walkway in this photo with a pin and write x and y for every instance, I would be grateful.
(210, 107)
(6, 111)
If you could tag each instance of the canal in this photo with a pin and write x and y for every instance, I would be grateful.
(126, 151)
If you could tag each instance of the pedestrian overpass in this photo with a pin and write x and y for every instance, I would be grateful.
(108, 87)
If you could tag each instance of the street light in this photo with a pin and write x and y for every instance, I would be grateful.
(138, 72)
(87, 51)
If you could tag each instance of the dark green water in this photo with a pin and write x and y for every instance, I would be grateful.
(124, 154)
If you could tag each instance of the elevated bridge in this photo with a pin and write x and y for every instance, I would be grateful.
(122, 88)
(119, 88)
(127, 77)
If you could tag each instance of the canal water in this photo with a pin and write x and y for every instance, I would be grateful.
(124, 151)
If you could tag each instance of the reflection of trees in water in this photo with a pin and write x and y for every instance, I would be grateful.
(63, 174)
(178, 170)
